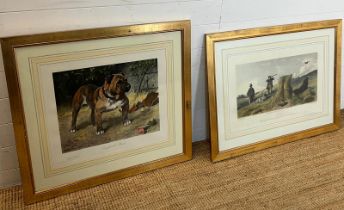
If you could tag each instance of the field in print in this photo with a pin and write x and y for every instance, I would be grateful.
(276, 84)
(112, 123)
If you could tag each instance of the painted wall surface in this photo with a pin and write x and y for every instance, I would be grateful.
(19, 17)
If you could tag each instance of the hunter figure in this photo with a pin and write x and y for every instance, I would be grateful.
(250, 94)
(270, 84)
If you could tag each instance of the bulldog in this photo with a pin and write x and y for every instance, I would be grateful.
(110, 96)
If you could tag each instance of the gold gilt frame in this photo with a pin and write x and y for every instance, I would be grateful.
(18, 115)
(211, 39)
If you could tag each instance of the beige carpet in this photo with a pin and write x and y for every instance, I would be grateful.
(305, 174)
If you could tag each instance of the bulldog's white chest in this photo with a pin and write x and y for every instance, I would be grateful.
(112, 104)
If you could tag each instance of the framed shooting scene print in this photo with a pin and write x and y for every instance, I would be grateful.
(272, 85)
(96, 105)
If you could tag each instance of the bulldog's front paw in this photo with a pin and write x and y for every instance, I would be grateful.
(72, 130)
(127, 122)
(100, 132)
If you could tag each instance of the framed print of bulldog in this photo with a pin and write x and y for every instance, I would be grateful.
(272, 85)
(96, 105)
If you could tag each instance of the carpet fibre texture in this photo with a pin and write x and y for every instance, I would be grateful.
(305, 174)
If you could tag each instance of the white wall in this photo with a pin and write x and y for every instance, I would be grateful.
(18, 17)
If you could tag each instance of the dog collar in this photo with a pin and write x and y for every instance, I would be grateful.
(107, 96)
